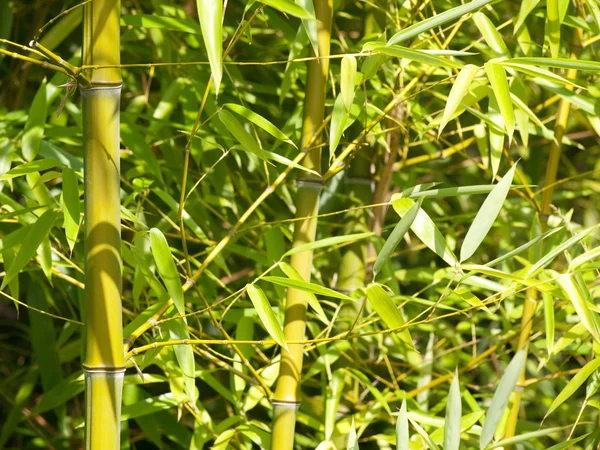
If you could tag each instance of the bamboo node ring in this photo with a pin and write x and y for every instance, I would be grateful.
(185, 341)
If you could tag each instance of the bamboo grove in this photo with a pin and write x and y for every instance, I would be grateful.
(285, 224)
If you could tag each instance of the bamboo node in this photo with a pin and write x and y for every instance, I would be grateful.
(152, 322)
(269, 190)
(154, 345)
(184, 342)
(519, 388)
(261, 342)
(232, 232)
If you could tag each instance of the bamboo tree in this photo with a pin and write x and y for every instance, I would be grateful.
(287, 394)
(104, 364)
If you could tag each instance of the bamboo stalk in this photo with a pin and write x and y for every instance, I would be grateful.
(287, 393)
(104, 364)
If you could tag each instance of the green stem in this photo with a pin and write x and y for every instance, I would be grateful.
(104, 364)
(287, 393)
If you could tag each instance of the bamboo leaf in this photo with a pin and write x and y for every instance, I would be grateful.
(549, 257)
(352, 440)
(537, 72)
(372, 389)
(453, 415)
(287, 162)
(259, 121)
(328, 242)
(575, 383)
(395, 237)
(432, 445)
(437, 20)
(526, 437)
(457, 93)
(402, 435)
(210, 13)
(312, 299)
(339, 116)
(185, 356)
(166, 268)
(490, 33)
(307, 287)
(426, 230)
(384, 306)
(266, 314)
(549, 321)
(501, 397)
(36, 235)
(496, 136)
(497, 76)
(486, 216)
(569, 444)
(160, 22)
(288, 7)
(522, 248)
(31, 167)
(559, 63)
(34, 128)
(71, 208)
(413, 55)
(553, 26)
(348, 74)
(578, 298)
(246, 140)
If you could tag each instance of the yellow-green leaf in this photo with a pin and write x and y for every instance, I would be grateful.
(288, 7)
(71, 207)
(384, 306)
(307, 287)
(490, 33)
(210, 13)
(166, 267)
(579, 298)
(259, 121)
(459, 90)
(348, 74)
(497, 76)
(553, 26)
(34, 128)
(266, 314)
(246, 140)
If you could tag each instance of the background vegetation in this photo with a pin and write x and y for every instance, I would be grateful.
(433, 123)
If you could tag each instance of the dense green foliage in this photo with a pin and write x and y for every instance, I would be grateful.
(454, 122)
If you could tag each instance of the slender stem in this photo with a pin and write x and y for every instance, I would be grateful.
(104, 364)
(287, 392)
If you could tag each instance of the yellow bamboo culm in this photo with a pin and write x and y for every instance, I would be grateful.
(287, 393)
(104, 364)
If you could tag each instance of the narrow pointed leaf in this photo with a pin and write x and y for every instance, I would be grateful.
(246, 140)
(575, 383)
(166, 268)
(457, 93)
(34, 128)
(426, 230)
(71, 207)
(453, 416)
(339, 116)
(312, 299)
(352, 440)
(501, 397)
(437, 20)
(384, 306)
(259, 121)
(553, 26)
(526, 7)
(486, 216)
(395, 237)
(288, 7)
(421, 57)
(579, 300)
(402, 436)
(266, 314)
(36, 235)
(329, 242)
(307, 287)
(496, 136)
(210, 13)
(490, 33)
(497, 76)
(432, 445)
(348, 74)
(31, 167)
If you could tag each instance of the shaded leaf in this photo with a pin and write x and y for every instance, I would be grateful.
(384, 306)
(210, 13)
(166, 268)
(266, 314)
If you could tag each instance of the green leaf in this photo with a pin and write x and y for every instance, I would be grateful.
(568, 444)
(334, 394)
(579, 298)
(497, 76)
(575, 383)
(384, 306)
(402, 436)
(185, 356)
(398, 51)
(36, 235)
(437, 20)
(312, 299)
(453, 416)
(457, 93)
(426, 230)
(352, 440)
(288, 7)
(339, 116)
(372, 389)
(11, 420)
(259, 121)
(329, 242)
(560, 63)
(553, 26)
(70, 200)
(210, 13)
(307, 287)
(549, 257)
(432, 445)
(486, 216)
(522, 248)
(347, 76)
(526, 7)
(549, 321)
(266, 314)
(31, 167)
(527, 437)
(34, 128)
(160, 22)
(166, 268)
(537, 72)
(490, 33)
(395, 237)
(496, 136)
(501, 397)
(239, 132)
